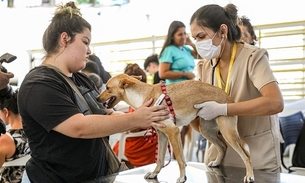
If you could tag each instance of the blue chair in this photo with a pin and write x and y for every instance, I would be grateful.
(290, 127)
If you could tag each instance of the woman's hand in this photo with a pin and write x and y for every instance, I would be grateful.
(5, 78)
(189, 75)
(210, 110)
(146, 116)
(189, 41)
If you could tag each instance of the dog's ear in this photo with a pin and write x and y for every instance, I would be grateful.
(125, 82)
(137, 77)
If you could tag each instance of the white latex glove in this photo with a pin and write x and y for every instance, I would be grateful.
(210, 110)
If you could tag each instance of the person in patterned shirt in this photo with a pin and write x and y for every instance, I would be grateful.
(14, 143)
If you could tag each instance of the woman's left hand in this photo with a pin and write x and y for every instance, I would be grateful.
(189, 41)
(211, 109)
(189, 75)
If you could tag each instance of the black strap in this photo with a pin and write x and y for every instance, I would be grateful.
(213, 69)
(114, 165)
(71, 83)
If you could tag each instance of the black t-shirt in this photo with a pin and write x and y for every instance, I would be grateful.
(45, 100)
(156, 78)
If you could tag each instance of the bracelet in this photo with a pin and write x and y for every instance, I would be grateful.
(184, 74)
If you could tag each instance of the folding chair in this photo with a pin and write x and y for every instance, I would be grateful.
(121, 153)
(290, 127)
(298, 157)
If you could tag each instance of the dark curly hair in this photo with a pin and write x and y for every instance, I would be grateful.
(10, 102)
(245, 21)
(135, 70)
(151, 59)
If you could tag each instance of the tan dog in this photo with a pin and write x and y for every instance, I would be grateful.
(183, 96)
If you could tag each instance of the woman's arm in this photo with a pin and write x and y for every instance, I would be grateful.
(271, 102)
(166, 73)
(95, 126)
(113, 112)
(194, 50)
(7, 148)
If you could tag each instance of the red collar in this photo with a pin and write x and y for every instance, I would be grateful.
(168, 101)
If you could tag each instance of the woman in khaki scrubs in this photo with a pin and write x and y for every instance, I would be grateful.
(243, 71)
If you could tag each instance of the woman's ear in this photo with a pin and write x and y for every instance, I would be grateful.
(223, 30)
(64, 39)
(6, 112)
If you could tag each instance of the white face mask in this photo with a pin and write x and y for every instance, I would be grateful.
(207, 50)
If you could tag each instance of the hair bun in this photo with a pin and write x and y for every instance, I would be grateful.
(69, 8)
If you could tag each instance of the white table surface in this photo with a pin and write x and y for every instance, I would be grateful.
(198, 173)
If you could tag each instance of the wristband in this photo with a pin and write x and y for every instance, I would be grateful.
(184, 75)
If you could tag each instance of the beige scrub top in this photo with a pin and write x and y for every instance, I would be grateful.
(250, 72)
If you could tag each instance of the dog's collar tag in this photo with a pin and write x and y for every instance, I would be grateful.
(160, 99)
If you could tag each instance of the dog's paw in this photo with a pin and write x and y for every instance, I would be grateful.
(181, 180)
(213, 164)
(248, 179)
(151, 175)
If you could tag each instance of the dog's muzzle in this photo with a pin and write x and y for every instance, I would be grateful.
(109, 102)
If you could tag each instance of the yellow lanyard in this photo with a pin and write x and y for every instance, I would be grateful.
(229, 71)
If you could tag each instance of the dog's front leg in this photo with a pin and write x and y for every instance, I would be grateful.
(175, 140)
(162, 146)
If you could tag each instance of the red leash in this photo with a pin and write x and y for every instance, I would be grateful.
(171, 109)
(153, 131)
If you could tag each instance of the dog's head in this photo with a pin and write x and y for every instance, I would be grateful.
(115, 89)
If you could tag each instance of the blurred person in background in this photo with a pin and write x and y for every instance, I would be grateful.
(4, 81)
(151, 65)
(97, 81)
(177, 60)
(92, 70)
(105, 75)
(247, 30)
(91, 67)
(14, 143)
